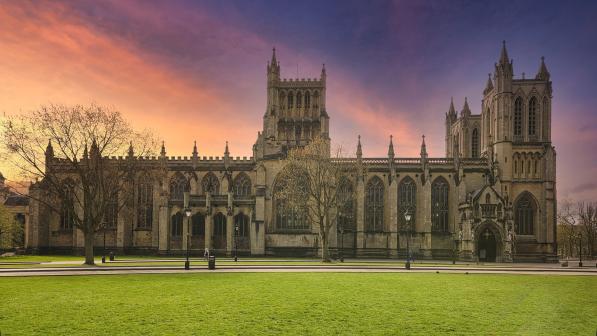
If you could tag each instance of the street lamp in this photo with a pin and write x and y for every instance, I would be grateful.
(341, 229)
(408, 217)
(187, 214)
(235, 242)
(104, 251)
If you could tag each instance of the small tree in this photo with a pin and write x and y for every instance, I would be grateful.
(312, 183)
(11, 231)
(67, 148)
(587, 220)
(567, 228)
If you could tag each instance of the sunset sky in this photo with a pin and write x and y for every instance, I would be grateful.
(195, 70)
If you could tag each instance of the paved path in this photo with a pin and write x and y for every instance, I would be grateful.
(103, 270)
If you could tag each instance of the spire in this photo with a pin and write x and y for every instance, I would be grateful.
(195, 152)
(85, 153)
(504, 54)
(131, 152)
(359, 149)
(423, 148)
(274, 61)
(543, 74)
(323, 73)
(49, 149)
(226, 151)
(451, 110)
(163, 151)
(466, 111)
(391, 149)
(94, 150)
(489, 85)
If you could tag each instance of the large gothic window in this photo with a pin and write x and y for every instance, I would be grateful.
(242, 185)
(439, 205)
(178, 185)
(144, 203)
(67, 210)
(111, 213)
(407, 200)
(524, 215)
(475, 144)
(210, 184)
(219, 231)
(346, 216)
(289, 217)
(176, 225)
(198, 224)
(518, 117)
(374, 202)
(532, 116)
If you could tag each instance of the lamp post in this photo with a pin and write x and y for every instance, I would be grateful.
(187, 214)
(341, 229)
(408, 217)
(104, 251)
(235, 242)
(580, 250)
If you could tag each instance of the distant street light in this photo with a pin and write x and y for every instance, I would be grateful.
(408, 217)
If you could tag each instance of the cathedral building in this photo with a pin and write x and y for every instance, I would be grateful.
(491, 198)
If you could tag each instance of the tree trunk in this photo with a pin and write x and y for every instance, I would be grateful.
(89, 241)
(325, 253)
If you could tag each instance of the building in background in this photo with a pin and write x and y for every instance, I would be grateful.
(491, 198)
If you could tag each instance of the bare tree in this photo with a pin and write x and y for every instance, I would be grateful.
(68, 149)
(587, 218)
(312, 185)
(567, 228)
(11, 232)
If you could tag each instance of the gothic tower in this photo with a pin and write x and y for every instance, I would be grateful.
(295, 112)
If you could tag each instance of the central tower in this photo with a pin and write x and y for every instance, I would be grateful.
(295, 112)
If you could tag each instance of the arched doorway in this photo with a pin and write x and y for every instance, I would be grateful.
(487, 246)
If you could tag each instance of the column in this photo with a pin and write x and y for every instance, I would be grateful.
(360, 216)
(163, 229)
(208, 230)
(426, 222)
(392, 205)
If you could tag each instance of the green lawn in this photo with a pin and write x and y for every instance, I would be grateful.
(299, 304)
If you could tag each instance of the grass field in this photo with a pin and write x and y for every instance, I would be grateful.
(299, 304)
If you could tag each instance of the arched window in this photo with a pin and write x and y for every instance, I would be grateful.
(518, 117)
(524, 215)
(532, 116)
(198, 224)
(307, 99)
(346, 216)
(374, 201)
(176, 225)
(144, 203)
(487, 198)
(242, 185)
(407, 201)
(289, 217)
(439, 205)
(219, 237)
(290, 100)
(545, 119)
(241, 221)
(316, 99)
(67, 209)
(475, 144)
(111, 213)
(210, 184)
(299, 99)
(178, 185)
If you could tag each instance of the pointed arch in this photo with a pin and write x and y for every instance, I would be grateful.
(374, 205)
(144, 202)
(176, 224)
(407, 201)
(439, 205)
(179, 184)
(525, 214)
(346, 208)
(211, 184)
(475, 143)
(518, 117)
(532, 122)
(242, 185)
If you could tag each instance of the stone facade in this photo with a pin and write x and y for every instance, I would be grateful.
(492, 197)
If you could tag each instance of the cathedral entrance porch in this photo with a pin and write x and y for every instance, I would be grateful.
(486, 250)
(488, 242)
